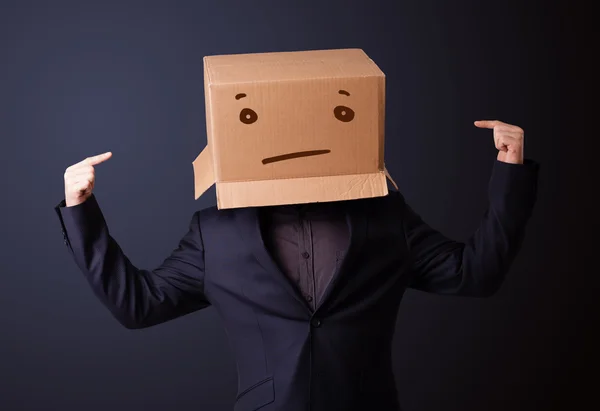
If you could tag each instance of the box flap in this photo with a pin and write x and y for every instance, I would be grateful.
(204, 176)
(300, 190)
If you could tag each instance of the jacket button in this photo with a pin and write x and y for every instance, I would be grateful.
(315, 322)
(305, 254)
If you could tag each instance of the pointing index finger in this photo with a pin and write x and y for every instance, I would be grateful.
(100, 158)
(486, 123)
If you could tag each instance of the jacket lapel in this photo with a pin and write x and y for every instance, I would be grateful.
(248, 222)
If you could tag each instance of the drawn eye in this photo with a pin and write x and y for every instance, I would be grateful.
(248, 116)
(343, 113)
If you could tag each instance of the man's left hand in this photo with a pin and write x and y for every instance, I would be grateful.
(509, 140)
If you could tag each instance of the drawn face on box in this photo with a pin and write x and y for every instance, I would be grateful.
(305, 128)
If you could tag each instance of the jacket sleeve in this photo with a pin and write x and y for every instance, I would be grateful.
(476, 267)
(136, 297)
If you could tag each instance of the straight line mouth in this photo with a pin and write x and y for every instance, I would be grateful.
(297, 154)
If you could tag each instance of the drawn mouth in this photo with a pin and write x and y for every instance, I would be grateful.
(297, 154)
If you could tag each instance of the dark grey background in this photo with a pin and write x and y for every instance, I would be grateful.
(81, 78)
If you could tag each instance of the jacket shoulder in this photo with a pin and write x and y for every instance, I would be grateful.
(213, 215)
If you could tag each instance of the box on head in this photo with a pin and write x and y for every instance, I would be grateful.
(293, 127)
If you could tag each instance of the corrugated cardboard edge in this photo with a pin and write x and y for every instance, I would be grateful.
(210, 142)
(373, 185)
(381, 123)
(300, 190)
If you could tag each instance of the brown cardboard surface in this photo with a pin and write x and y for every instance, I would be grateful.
(285, 66)
(292, 127)
(204, 176)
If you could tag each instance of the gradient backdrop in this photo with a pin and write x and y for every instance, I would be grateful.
(80, 78)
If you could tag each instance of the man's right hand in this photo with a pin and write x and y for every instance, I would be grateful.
(80, 179)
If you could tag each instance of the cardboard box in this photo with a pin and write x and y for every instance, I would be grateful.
(292, 127)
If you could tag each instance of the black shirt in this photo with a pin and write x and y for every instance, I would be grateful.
(307, 242)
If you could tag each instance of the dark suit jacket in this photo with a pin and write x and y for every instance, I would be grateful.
(289, 358)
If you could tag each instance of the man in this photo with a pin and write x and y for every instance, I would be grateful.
(309, 292)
